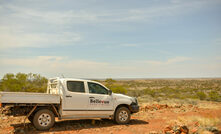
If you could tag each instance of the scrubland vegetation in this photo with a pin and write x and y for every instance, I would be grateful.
(166, 106)
(21, 82)
(144, 89)
(161, 89)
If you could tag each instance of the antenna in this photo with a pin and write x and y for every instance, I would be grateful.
(62, 75)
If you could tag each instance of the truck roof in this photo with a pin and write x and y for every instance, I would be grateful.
(72, 79)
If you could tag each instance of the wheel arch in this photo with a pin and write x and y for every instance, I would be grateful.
(121, 105)
(49, 107)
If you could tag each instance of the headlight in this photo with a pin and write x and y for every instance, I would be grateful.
(134, 100)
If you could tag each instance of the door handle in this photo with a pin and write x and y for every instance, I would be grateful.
(91, 97)
(68, 96)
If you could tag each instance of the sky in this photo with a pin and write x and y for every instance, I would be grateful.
(111, 38)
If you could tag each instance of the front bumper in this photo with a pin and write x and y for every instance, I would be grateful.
(134, 108)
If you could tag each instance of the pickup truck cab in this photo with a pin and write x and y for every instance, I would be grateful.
(68, 98)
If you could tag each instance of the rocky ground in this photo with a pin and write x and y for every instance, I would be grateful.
(204, 117)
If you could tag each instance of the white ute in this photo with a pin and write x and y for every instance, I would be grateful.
(68, 98)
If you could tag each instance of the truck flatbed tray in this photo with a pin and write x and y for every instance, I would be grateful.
(28, 97)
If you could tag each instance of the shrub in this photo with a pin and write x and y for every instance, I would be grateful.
(110, 81)
(150, 92)
(21, 82)
(117, 89)
(201, 95)
(215, 96)
(135, 93)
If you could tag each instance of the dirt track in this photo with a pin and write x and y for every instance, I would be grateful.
(153, 119)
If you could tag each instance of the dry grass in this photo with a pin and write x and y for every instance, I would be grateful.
(209, 105)
(174, 102)
(202, 121)
(199, 124)
(206, 121)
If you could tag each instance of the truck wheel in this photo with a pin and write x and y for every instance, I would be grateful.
(43, 119)
(122, 115)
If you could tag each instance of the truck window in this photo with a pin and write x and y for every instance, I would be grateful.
(96, 88)
(75, 86)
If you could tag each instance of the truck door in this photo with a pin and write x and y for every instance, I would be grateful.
(100, 102)
(75, 99)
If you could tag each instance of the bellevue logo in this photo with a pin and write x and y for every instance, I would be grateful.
(97, 101)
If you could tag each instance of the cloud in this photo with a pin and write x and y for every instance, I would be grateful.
(217, 41)
(178, 59)
(14, 38)
(32, 27)
(52, 66)
(82, 16)
(218, 58)
(129, 45)
(169, 61)
(52, 17)
(55, 62)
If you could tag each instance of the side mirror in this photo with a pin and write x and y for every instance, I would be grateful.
(109, 92)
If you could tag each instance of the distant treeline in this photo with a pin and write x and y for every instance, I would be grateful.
(160, 89)
(30, 82)
(203, 89)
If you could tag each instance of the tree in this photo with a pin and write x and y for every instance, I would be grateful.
(22, 82)
(110, 81)
(116, 88)
(214, 96)
(201, 95)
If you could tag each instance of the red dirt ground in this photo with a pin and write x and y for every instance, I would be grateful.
(144, 122)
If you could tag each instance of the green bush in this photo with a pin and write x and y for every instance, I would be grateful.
(118, 89)
(201, 95)
(21, 82)
(110, 81)
(215, 96)
(135, 93)
(150, 92)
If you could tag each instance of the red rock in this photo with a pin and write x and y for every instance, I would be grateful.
(196, 124)
(168, 128)
(184, 129)
(190, 105)
(194, 130)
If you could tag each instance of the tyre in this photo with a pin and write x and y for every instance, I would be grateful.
(122, 115)
(44, 119)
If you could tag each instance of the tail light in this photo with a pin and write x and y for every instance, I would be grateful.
(0, 104)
